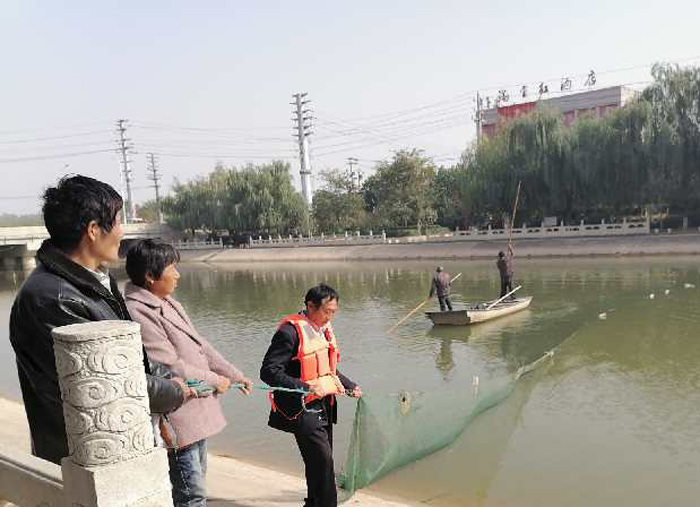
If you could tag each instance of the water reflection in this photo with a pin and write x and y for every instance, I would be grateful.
(620, 394)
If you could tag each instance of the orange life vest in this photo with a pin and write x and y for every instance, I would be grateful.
(318, 355)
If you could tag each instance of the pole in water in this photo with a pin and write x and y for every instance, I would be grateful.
(393, 328)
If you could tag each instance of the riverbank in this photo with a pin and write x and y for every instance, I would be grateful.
(654, 244)
(231, 482)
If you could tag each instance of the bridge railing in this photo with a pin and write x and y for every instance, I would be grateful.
(355, 238)
(112, 460)
(199, 245)
(558, 231)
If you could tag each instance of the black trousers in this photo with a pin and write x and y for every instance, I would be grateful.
(316, 446)
(445, 303)
(506, 284)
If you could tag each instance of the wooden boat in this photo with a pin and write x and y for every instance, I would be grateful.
(478, 313)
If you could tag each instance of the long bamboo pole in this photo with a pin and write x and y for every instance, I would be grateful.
(512, 219)
(496, 302)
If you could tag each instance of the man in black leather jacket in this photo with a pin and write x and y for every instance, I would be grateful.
(70, 286)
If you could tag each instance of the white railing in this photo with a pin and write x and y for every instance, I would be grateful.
(558, 231)
(112, 460)
(199, 245)
(322, 240)
(33, 236)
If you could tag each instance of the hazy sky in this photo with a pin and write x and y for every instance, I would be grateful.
(202, 81)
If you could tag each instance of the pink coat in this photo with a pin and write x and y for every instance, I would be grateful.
(171, 339)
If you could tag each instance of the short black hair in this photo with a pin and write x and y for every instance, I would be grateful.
(501, 254)
(320, 293)
(149, 257)
(70, 206)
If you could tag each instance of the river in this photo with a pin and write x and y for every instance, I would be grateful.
(612, 419)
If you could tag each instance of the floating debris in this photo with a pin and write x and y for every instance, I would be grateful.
(603, 316)
(688, 285)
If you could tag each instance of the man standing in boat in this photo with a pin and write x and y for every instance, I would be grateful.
(505, 268)
(441, 284)
(303, 355)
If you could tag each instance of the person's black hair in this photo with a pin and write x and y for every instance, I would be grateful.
(70, 206)
(321, 293)
(501, 254)
(149, 257)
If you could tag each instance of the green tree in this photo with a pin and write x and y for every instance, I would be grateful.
(400, 193)
(339, 206)
(255, 200)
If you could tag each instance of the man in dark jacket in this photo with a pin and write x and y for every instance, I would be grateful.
(440, 285)
(505, 269)
(311, 422)
(70, 286)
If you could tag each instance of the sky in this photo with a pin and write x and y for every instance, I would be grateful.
(208, 82)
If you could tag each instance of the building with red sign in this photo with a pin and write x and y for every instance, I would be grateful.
(595, 102)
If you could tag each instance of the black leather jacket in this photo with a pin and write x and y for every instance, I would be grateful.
(59, 292)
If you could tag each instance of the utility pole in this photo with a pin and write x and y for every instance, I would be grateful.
(302, 130)
(129, 209)
(477, 118)
(356, 177)
(155, 176)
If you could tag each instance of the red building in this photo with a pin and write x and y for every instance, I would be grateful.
(594, 102)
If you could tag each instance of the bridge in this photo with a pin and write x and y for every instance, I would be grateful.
(18, 245)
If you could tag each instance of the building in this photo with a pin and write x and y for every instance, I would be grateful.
(595, 102)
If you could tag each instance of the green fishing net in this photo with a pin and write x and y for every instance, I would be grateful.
(391, 431)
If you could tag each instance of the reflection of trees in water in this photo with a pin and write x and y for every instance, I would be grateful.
(568, 295)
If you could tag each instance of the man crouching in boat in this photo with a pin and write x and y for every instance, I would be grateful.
(440, 285)
(304, 355)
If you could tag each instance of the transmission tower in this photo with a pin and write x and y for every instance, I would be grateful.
(355, 176)
(154, 175)
(126, 176)
(302, 130)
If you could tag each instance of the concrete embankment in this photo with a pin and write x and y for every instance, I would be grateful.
(672, 244)
(231, 483)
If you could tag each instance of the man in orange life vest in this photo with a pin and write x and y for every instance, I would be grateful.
(303, 355)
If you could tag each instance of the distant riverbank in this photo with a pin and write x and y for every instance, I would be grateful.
(669, 244)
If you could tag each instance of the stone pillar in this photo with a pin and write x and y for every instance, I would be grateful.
(112, 460)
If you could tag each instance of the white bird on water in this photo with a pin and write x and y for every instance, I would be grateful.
(652, 296)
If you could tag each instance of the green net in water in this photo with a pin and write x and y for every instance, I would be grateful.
(392, 431)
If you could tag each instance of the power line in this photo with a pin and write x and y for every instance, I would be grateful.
(51, 138)
(216, 156)
(10, 149)
(147, 124)
(55, 156)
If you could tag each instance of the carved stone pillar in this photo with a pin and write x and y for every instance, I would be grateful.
(112, 459)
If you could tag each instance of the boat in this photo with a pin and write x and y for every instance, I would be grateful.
(478, 313)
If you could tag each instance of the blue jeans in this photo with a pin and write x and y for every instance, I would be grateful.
(188, 469)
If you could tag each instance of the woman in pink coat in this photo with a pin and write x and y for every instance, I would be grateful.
(170, 338)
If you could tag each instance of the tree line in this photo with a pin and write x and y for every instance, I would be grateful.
(644, 156)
